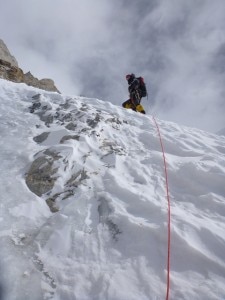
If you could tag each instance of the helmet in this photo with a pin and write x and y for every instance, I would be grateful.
(128, 76)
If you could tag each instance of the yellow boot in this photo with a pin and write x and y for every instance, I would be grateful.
(140, 108)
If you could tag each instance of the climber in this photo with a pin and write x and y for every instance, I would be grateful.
(137, 90)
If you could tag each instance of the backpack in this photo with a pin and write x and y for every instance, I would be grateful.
(142, 87)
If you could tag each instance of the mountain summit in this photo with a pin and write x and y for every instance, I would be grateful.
(84, 210)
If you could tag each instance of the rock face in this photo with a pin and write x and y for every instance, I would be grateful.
(10, 70)
(40, 177)
(44, 84)
(6, 56)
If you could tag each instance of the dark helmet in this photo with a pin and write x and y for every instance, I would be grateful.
(130, 76)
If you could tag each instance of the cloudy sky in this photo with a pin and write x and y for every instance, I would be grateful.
(87, 47)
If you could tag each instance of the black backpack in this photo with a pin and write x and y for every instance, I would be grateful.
(142, 87)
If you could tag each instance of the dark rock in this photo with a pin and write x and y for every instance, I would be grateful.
(69, 137)
(51, 204)
(71, 126)
(93, 122)
(41, 137)
(40, 178)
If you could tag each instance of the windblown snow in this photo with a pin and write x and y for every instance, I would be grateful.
(84, 212)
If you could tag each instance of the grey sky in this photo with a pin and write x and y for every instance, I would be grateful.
(87, 47)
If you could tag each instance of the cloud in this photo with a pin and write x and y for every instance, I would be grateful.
(88, 47)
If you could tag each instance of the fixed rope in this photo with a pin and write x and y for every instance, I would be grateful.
(168, 202)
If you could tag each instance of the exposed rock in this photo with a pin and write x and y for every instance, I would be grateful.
(47, 84)
(94, 122)
(44, 84)
(69, 137)
(71, 126)
(36, 97)
(42, 110)
(51, 204)
(5, 63)
(40, 178)
(41, 137)
(10, 73)
(15, 74)
(6, 56)
(51, 201)
(10, 70)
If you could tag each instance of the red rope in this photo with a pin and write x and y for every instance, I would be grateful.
(168, 201)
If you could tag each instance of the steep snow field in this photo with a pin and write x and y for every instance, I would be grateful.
(105, 236)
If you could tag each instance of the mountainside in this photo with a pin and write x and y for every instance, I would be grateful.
(10, 70)
(84, 211)
(6, 56)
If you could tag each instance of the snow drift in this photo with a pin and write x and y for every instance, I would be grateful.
(83, 202)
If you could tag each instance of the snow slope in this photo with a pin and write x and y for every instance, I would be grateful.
(108, 236)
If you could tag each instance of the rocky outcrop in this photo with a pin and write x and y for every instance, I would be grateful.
(44, 84)
(57, 173)
(6, 56)
(40, 178)
(10, 70)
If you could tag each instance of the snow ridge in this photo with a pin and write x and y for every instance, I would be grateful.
(96, 227)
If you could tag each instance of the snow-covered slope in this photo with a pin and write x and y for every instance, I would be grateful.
(107, 235)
